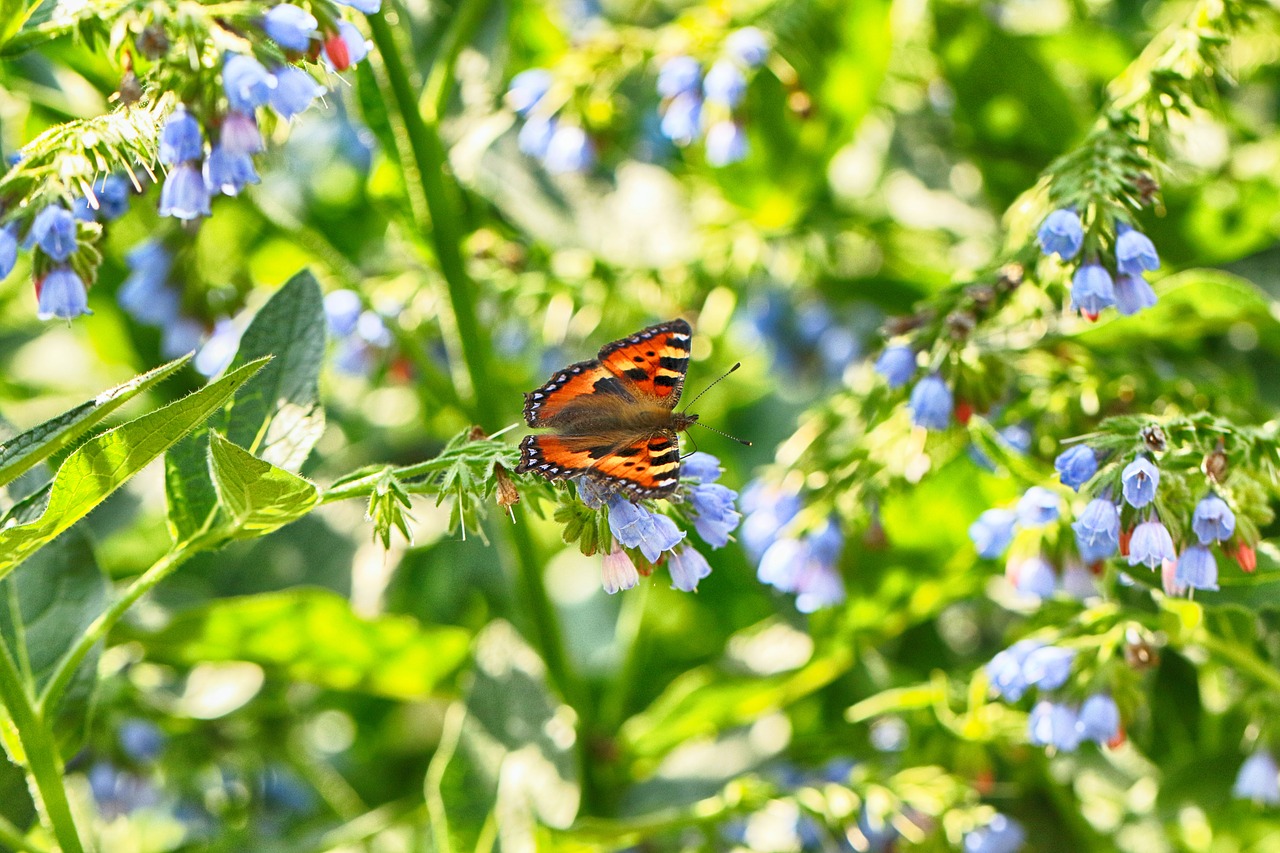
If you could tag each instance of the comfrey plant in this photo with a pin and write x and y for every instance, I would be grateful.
(634, 538)
(188, 118)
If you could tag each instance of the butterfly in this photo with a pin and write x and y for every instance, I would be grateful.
(614, 417)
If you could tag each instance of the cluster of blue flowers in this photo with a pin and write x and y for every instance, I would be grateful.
(360, 334)
(560, 143)
(809, 339)
(1098, 528)
(697, 106)
(1002, 834)
(806, 564)
(657, 536)
(1258, 779)
(931, 401)
(1092, 286)
(1058, 723)
(54, 232)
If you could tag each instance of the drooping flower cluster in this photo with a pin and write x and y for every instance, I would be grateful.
(706, 106)
(150, 296)
(558, 141)
(639, 531)
(931, 401)
(807, 563)
(1054, 721)
(1092, 286)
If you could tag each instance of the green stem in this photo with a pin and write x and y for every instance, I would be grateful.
(444, 208)
(1241, 659)
(98, 629)
(43, 763)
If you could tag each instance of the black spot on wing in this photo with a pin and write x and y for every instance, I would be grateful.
(637, 374)
(666, 381)
(673, 363)
(610, 385)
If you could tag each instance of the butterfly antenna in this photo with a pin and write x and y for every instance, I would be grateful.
(722, 432)
(712, 385)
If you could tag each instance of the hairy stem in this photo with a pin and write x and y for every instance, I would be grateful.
(42, 762)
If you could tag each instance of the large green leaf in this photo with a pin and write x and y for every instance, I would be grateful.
(278, 417)
(103, 463)
(257, 496)
(508, 752)
(48, 603)
(28, 449)
(312, 635)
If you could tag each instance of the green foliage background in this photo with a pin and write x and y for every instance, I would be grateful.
(320, 688)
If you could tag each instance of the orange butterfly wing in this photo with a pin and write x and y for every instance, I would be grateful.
(613, 415)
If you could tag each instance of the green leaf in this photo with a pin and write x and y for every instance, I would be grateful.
(312, 635)
(278, 417)
(30, 448)
(44, 607)
(507, 757)
(258, 496)
(103, 463)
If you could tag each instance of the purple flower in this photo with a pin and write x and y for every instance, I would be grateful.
(146, 294)
(1097, 530)
(535, 136)
(569, 150)
(528, 88)
(682, 119)
(806, 567)
(1062, 234)
(1005, 670)
(1135, 253)
(1001, 835)
(725, 84)
(636, 527)
(353, 48)
(240, 134)
(1092, 290)
(1258, 780)
(291, 27)
(54, 231)
(768, 509)
(687, 566)
(1197, 568)
(1054, 724)
(897, 364)
(1151, 544)
(700, 466)
(366, 7)
(61, 294)
(218, 351)
(677, 75)
(246, 81)
(1140, 479)
(180, 139)
(617, 571)
(749, 45)
(226, 172)
(992, 532)
(1048, 667)
(714, 514)
(1078, 581)
(110, 200)
(341, 310)
(1133, 293)
(1034, 576)
(142, 741)
(1076, 465)
(8, 249)
(185, 194)
(180, 336)
(1213, 520)
(1037, 507)
(931, 403)
(1099, 719)
(118, 793)
(726, 143)
(295, 90)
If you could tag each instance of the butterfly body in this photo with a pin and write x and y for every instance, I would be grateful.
(613, 418)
